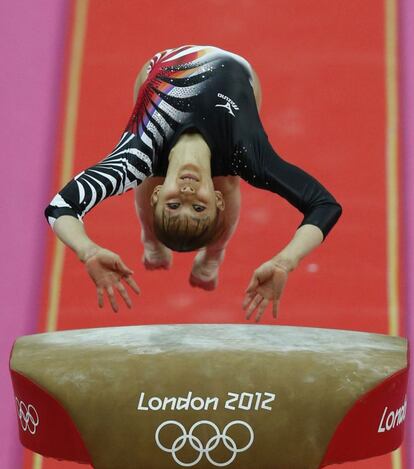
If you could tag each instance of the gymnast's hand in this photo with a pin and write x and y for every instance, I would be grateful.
(266, 285)
(107, 270)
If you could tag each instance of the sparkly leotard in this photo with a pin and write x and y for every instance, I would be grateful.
(207, 90)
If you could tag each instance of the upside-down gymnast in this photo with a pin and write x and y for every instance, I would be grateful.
(194, 131)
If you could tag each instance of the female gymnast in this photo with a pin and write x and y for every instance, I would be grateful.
(194, 131)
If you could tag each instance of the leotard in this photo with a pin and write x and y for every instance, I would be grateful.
(207, 90)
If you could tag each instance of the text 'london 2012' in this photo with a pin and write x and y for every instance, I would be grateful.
(245, 401)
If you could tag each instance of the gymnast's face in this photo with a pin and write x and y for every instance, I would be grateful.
(188, 193)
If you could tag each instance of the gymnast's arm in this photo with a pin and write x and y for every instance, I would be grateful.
(126, 167)
(321, 212)
(123, 169)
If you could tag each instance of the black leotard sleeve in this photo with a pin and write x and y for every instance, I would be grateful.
(252, 157)
(270, 172)
(126, 167)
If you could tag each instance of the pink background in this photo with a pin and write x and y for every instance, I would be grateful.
(32, 40)
(407, 147)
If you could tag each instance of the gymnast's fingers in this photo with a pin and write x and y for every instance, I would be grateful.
(247, 299)
(275, 307)
(254, 283)
(131, 282)
(253, 305)
(279, 280)
(261, 309)
(124, 294)
(112, 299)
(100, 296)
(121, 267)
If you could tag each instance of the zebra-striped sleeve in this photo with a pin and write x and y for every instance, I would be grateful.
(126, 167)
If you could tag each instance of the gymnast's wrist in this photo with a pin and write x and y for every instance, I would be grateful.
(286, 263)
(215, 250)
(215, 254)
(87, 251)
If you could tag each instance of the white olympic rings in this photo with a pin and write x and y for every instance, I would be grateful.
(197, 445)
(28, 416)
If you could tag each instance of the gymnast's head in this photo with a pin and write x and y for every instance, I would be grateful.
(186, 210)
(186, 207)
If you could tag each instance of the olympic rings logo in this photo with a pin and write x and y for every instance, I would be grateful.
(29, 419)
(211, 444)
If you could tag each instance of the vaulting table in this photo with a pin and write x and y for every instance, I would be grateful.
(237, 396)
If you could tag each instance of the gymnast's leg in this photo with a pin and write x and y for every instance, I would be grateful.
(156, 255)
(207, 262)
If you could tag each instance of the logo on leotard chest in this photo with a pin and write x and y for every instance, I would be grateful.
(230, 105)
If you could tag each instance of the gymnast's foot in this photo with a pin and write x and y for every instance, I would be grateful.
(156, 256)
(206, 266)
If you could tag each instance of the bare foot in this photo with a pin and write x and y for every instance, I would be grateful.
(204, 273)
(156, 256)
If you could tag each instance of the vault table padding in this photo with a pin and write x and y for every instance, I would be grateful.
(240, 396)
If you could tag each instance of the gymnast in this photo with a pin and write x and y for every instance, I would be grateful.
(194, 131)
